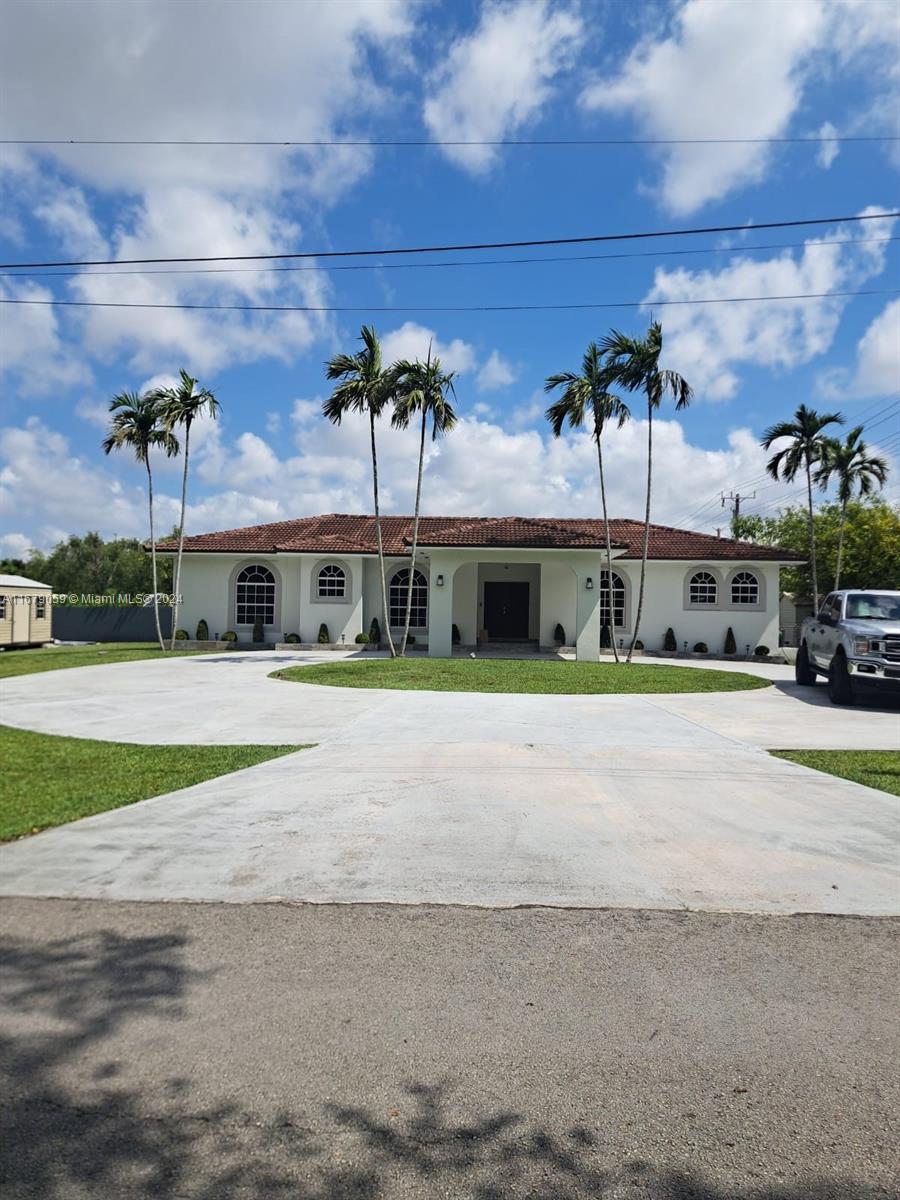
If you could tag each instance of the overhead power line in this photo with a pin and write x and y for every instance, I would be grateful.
(476, 262)
(812, 139)
(446, 249)
(447, 308)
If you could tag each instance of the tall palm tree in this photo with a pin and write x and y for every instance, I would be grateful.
(136, 424)
(857, 473)
(585, 396)
(422, 387)
(633, 363)
(807, 442)
(365, 387)
(181, 406)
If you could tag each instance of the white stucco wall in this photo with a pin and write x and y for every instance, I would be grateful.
(557, 601)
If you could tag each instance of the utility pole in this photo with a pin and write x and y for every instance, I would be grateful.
(734, 500)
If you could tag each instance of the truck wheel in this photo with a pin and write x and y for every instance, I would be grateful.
(803, 672)
(840, 687)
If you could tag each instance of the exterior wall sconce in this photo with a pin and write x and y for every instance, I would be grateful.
(439, 581)
(589, 583)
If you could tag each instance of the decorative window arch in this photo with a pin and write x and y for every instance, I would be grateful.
(254, 595)
(331, 582)
(703, 588)
(745, 589)
(418, 613)
(619, 599)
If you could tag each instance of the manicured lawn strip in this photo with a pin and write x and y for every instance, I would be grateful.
(48, 780)
(29, 662)
(875, 768)
(519, 676)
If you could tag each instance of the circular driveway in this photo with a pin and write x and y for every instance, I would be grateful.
(662, 801)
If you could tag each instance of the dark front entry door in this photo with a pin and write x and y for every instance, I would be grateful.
(506, 610)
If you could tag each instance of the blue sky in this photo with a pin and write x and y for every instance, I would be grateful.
(369, 70)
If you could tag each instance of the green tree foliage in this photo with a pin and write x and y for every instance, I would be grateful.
(87, 564)
(871, 557)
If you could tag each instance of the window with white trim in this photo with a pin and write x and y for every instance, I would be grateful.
(40, 607)
(254, 598)
(331, 582)
(703, 589)
(618, 600)
(2, 608)
(418, 613)
(745, 588)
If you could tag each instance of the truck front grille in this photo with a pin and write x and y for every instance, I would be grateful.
(892, 648)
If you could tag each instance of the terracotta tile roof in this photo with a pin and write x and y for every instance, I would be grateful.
(338, 533)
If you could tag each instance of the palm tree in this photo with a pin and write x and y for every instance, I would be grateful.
(807, 446)
(365, 388)
(856, 472)
(633, 363)
(583, 395)
(180, 406)
(421, 388)
(136, 424)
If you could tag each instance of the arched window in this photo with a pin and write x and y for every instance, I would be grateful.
(703, 589)
(418, 613)
(331, 583)
(618, 600)
(745, 588)
(254, 598)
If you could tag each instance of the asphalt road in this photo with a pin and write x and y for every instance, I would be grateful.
(382, 1053)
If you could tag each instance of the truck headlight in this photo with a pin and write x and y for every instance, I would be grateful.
(863, 646)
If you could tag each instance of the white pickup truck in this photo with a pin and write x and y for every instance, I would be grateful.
(853, 640)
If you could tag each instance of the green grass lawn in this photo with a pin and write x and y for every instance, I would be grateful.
(48, 780)
(55, 658)
(875, 768)
(518, 676)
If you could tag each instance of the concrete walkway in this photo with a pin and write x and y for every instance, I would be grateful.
(595, 801)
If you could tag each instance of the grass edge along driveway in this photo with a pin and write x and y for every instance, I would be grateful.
(520, 676)
(879, 769)
(50, 780)
(15, 663)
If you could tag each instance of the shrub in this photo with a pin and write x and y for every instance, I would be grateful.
(181, 635)
(229, 636)
(638, 645)
(202, 631)
(293, 638)
(761, 651)
(455, 636)
(605, 639)
(259, 633)
(559, 635)
(410, 641)
(730, 643)
(374, 633)
(324, 638)
(362, 639)
(669, 642)
(701, 648)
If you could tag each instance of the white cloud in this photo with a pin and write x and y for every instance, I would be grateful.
(705, 342)
(729, 68)
(32, 347)
(496, 372)
(497, 79)
(828, 151)
(66, 214)
(877, 369)
(412, 341)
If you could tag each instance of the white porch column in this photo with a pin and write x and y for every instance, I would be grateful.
(587, 612)
(440, 605)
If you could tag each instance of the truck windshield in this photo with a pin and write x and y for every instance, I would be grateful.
(875, 606)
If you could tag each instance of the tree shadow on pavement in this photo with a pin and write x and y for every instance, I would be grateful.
(105, 1139)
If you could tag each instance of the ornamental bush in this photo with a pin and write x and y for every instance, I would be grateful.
(259, 634)
(669, 642)
(293, 638)
(605, 639)
(761, 651)
(229, 636)
(362, 639)
(730, 643)
(181, 635)
(324, 638)
(701, 648)
(202, 631)
(455, 635)
(559, 635)
(638, 645)
(374, 633)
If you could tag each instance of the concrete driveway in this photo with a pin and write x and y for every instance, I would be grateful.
(414, 797)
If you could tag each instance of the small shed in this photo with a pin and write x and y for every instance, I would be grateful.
(25, 611)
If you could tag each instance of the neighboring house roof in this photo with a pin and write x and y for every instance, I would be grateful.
(21, 581)
(338, 533)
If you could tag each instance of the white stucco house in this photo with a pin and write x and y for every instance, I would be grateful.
(506, 579)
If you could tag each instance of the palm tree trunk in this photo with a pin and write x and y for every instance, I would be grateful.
(162, 644)
(176, 582)
(637, 619)
(812, 539)
(386, 615)
(415, 538)
(612, 619)
(840, 553)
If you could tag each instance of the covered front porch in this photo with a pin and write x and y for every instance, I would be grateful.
(515, 596)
